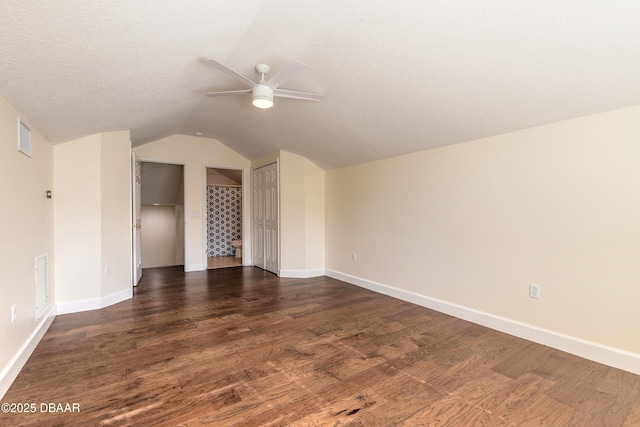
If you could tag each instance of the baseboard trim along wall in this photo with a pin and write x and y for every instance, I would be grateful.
(17, 362)
(194, 267)
(606, 355)
(94, 304)
(302, 274)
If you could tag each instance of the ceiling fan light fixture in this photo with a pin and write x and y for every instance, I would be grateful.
(262, 96)
(262, 93)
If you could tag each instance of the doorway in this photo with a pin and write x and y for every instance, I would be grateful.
(162, 220)
(224, 214)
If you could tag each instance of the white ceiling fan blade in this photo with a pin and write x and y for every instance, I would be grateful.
(283, 93)
(228, 92)
(285, 74)
(229, 72)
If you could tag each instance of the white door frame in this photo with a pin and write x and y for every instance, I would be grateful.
(186, 200)
(136, 208)
(246, 221)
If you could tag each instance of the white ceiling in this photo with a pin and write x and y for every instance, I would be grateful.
(397, 76)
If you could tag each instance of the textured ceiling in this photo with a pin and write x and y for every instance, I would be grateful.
(397, 76)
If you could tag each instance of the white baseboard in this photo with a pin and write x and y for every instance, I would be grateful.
(15, 365)
(188, 268)
(94, 304)
(302, 274)
(596, 352)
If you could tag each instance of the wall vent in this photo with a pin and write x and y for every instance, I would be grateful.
(24, 138)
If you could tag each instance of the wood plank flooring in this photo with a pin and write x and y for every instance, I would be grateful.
(223, 261)
(242, 347)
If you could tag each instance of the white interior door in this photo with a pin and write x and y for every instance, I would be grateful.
(258, 219)
(265, 218)
(271, 218)
(136, 195)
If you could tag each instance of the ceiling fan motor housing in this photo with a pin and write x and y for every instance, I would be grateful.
(262, 96)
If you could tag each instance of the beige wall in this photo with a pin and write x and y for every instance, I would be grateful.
(159, 236)
(196, 154)
(116, 211)
(216, 178)
(314, 216)
(77, 200)
(92, 212)
(301, 215)
(292, 212)
(26, 227)
(474, 224)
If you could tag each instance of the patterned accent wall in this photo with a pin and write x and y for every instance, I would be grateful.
(224, 219)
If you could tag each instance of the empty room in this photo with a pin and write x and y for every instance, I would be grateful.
(298, 213)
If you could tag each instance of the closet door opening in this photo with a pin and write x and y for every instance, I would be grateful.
(162, 220)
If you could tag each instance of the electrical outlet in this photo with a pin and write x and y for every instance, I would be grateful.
(107, 270)
(534, 291)
(14, 313)
(354, 256)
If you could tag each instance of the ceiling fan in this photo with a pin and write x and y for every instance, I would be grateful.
(264, 91)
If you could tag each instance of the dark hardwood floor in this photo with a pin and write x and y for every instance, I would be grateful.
(242, 347)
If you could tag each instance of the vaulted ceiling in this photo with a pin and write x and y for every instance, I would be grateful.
(397, 76)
